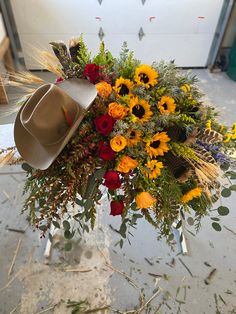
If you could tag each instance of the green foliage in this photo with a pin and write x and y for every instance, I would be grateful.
(103, 57)
(180, 149)
(84, 56)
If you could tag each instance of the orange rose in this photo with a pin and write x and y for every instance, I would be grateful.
(104, 89)
(144, 200)
(117, 111)
(126, 164)
(118, 143)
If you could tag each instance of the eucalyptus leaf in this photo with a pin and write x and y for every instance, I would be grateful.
(190, 221)
(26, 167)
(56, 224)
(88, 204)
(179, 224)
(122, 230)
(226, 192)
(66, 225)
(79, 202)
(216, 226)
(69, 235)
(233, 187)
(215, 219)
(223, 210)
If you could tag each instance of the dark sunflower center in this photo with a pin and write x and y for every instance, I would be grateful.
(165, 106)
(123, 90)
(132, 135)
(144, 78)
(155, 144)
(138, 111)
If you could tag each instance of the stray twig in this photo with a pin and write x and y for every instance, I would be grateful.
(10, 281)
(78, 270)
(230, 230)
(15, 308)
(147, 260)
(15, 230)
(189, 271)
(48, 309)
(210, 276)
(14, 258)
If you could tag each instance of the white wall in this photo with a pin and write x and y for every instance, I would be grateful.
(174, 29)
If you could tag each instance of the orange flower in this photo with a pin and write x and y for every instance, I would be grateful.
(117, 111)
(118, 143)
(144, 200)
(104, 89)
(126, 164)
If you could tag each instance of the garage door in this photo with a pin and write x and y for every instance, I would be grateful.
(180, 30)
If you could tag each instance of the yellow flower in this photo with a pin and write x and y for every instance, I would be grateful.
(104, 89)
(118, 143)
(185, 88)
(157, 146)
(117, 111)
(208, 124)
(166, 105)
(227, 137)
(126, 164)
(123, 87)
(187, 197)
(144, 200)
(145, 75)
(133, 137)
(140, 110)
(154, 168)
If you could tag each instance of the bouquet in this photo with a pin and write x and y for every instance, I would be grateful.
(148, 142)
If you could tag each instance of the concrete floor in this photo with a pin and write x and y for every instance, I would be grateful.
(37, 284)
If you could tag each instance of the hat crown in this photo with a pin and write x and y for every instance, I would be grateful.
(44, 118)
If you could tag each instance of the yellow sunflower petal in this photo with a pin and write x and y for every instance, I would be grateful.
(140, 110)
(123, 87)
(154, 168)
(157, 145)
(166, 105)
(187, 197)
(145, 75)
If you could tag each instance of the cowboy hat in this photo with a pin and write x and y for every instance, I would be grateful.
(41, 129)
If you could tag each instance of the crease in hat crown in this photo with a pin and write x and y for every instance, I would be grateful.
(43, 116)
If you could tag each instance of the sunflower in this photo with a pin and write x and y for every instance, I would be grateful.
(133, 137)
(185, 88)
(123, 87)
(187, 197)
(145, 75)
(166, 105)
(153, 169)
(140, 110)
(157, 146)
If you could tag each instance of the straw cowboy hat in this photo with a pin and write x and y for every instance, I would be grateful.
(41, 130)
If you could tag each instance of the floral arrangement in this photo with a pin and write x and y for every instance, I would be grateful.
(148, 139)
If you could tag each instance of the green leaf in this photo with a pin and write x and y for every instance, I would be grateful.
(50, 237)
(190, 221)
(233, 187)
(69, 235)
(226, 192)
(88, 204)
(215, 219)
(43, 228)
(179, 224)
(122, 230)
(121, 243)
(26, 167)
(171, 237)
(216, 226)
(56, 224)
(68, 246)
(66, 225)
(79, 202)
(224, 167)
(99, 174)
(223, 210)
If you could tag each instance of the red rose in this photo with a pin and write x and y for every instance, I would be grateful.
(104, 124)
(117, 208)
(91, 72)
(112, 180)
(105, 152)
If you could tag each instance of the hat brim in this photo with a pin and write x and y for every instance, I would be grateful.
(33, 152)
